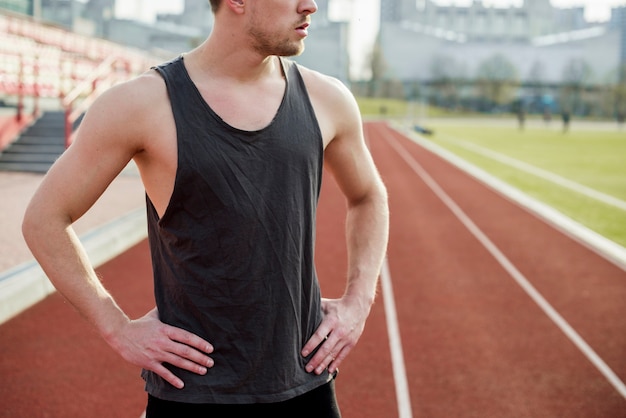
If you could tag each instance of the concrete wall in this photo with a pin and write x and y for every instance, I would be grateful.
(326, 50)
(411, 55)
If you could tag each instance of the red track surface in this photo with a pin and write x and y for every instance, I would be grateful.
(475, 344)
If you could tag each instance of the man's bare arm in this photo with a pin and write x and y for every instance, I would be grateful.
(109, 137)
(367, 227)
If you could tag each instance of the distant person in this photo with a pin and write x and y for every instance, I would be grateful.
(621, 118)
(547, 116)
(521, 117)
(230, 140)
(566, 120)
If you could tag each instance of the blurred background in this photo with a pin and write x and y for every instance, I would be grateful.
(528, 96)
(494, 56)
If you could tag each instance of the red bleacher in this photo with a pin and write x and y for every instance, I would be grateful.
(40, 60)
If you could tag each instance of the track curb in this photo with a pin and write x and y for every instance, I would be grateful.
(603, 246)
(26, 284)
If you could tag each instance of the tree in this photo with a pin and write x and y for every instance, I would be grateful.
(537, 77)
(445, 75)
(620, 95)
(576, 76)
(496, 80)
(378, 68)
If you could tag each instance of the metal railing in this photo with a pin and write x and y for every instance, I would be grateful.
(39, 60)
(111, 71)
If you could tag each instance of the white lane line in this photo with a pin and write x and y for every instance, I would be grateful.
(560, 322)
(393, 332)
(395, 345)
(597, 243)
(538, 172)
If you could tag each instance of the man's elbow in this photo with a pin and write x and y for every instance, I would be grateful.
(378, 193)
(31, 223)
(37, 222)
(375, 196)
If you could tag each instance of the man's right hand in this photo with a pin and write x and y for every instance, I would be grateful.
(148, 343)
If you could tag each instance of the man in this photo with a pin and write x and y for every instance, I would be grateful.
(229, 141)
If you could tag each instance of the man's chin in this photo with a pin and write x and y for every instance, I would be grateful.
(298, 53)
(292, 52)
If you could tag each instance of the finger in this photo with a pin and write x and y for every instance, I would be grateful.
(318, 337)
(323, 356)
(334, 365)
(325, 363)
(169, 377)
(332, 361)
(189, 339)
(187, 357)
(183, 363)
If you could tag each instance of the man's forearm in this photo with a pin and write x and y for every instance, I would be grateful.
(64, 260)
(367, 230)
(367, 233)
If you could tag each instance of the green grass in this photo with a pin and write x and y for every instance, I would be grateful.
(375, 107)
(393, 108)
(372, 107)
(593, 156)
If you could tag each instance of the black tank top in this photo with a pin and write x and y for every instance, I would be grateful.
(233, 253)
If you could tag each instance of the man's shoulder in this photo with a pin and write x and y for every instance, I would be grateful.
(315, 76)
(334, 104)
(133, 108)
(145, 82)
(323, 85)
(141, 91)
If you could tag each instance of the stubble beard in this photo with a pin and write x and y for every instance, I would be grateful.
(266, 44)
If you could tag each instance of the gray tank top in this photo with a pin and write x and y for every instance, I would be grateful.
(233, 253)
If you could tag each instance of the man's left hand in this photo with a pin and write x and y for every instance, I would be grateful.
(341, 328)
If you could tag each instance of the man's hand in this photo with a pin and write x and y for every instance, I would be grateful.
(341, 328)
(148, 343)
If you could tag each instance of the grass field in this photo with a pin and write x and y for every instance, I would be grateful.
(581, 173)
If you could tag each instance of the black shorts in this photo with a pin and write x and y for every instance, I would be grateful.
(318, 403)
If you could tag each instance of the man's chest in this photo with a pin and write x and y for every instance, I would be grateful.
(245, 108)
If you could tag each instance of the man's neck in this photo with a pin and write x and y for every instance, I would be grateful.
(223, 61)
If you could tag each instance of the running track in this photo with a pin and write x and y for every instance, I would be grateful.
(490, 311)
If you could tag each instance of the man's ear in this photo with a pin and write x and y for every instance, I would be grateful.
(236, 6)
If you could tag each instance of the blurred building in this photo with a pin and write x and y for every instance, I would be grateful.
(196, 13)
(168, 34)
(619, 21)
(171, 34)
(61, 12)
(480, 23)
(422, 41)
(57, 11)
(19, 6)
(99, 13)
(326, 47)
